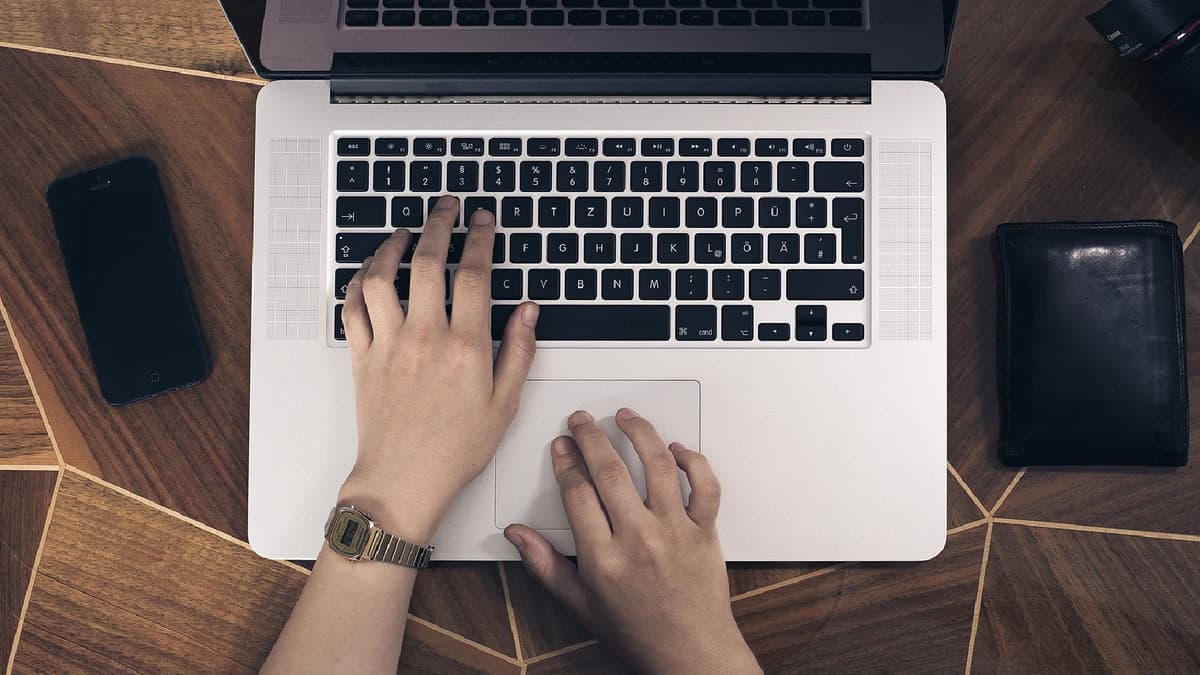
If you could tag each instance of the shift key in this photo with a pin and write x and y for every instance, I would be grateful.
(354, 248)
(806, 284)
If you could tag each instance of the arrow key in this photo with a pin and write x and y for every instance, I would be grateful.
(737, 323)
(839, 176)
(361, 211)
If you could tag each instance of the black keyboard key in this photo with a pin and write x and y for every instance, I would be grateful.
(403, 17)
(429, 147)
(505, 4)
(355, 247)
(654, 284)
(845, 18)
(810, 332)
(835, 284)
(765, 284)
(391, 147)
(581, 147)
(562, 248)
(664, 212)
(462, 176)
(361, 212)
(683, 176)
(504, 147)
(591, 212)
(352, 176)
(771, 147)
(498, 249)
(544, 284)
(627, 212)
(696, 17)
(509, 17)
(466, 147)
(554, 212)
(658, 17)
(737, 323)
(820, 249)
(572, 176)
(407, 212)
(600, 248)
(721, 3)
(848, 216)
(455, 248)
(506, 284)
(609, 177)
(733, 17)
(695, 323)
(389, 176)
(746, 249)
(341, 281)
(792, 4)
(808, 147)
(774, 332)
(658, 147)
(733, 147)
(621, 17)
(848, 147)
(620, 147)
(516, 212)
(339, 329)
(673, 249)
(695, 147)
(810, 212)
(470, 4)
(499, 176)
(710, 249)
(362, 4)
(535, 177)
(783, 249)
(577, 4)
(360, 17)
(719, 177)
(617, 4)
(700, 212)
(472, 17)
(838, 176)
(691, 284)
(804, 17)
(645, 176)
(544, 147)
(793, 176)
(737, 212)
(632, 323)
(353, 147)
(546, 17)
(635, 249)
(729, 284)
(525, 248)
(425, 177)
(434, 17)
(770, 17)
(433, 4)
(811, 314)
(837, 4)
(683, 4)
(849, 332)
(473, 204)
(580, 284)
(774, 212)
(584, 17)
(616, 284)
(756, 176)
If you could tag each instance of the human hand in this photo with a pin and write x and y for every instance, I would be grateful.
(431, 408)
(651, 579)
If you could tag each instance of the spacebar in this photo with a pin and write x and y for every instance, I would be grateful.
(593, 322)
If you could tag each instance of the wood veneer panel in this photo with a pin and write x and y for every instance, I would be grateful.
(466, 598)
(24, 500)
(23, 437)
(1062, 601)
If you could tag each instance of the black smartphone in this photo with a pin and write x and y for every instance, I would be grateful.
(128, 280)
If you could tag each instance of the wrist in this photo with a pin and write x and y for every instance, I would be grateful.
(409, 517)
(723, 654)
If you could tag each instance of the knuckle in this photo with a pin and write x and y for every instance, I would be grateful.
(610, 473)
(470, 277)
(576, 492)
(376, 284)
(659, 462)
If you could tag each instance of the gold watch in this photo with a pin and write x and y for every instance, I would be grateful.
(352, 534)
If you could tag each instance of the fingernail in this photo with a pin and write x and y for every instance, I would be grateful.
(579, 417)
(481, 217)
(627, 414)
(516, 540)
(560, 446)
(448, 202)
(529, 315)
(677, 448)
(399, 233)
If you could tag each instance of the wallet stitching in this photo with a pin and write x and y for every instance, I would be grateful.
(1176, 290)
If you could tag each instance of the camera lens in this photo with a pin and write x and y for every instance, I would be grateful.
(1164, 35)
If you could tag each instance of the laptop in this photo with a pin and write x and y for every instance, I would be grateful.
(732, 213)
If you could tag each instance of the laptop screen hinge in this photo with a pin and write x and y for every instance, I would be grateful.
(461, 99)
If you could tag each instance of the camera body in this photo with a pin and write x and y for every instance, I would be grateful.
(1163, 35)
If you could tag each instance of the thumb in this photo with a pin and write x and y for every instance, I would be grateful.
(515, 356)
(550, 569)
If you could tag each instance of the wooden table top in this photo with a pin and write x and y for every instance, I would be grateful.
(130, 522)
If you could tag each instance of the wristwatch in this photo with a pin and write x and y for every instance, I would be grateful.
(352, 534)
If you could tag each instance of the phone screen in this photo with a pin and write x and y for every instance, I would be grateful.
(128, 281)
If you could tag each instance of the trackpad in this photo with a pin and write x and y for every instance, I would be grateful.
(526, 491)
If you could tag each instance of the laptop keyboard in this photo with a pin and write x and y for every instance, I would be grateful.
(654, 13)
(721, 240)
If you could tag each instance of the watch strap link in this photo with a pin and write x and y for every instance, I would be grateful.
(387, 548)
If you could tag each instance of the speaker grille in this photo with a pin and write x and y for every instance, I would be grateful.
(294, 198)
(905, 254)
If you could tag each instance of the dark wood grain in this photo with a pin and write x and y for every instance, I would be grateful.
(543, 624)
(466, 598)
(1080, 602)
(155, 593)
(960, 509)
(1045, 123)
(23, 437)
(590, 660)
(190, 34)
(24, 500)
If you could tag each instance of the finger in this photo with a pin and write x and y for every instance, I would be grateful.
(354, 313)
(609, 474)
(705, 499)
(473, 278)
(379, 284)
(549, 568)
(580, 501)
(427, 290)
(662, 475)
(515, 357)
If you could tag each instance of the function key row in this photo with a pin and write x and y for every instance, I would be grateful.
(650, 4)
(592, 147)
(652, 13)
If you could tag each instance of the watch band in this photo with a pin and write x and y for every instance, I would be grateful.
(387, 548)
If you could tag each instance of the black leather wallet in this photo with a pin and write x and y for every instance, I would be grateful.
(1092, 356)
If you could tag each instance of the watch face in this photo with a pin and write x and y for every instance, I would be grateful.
(348, 533)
